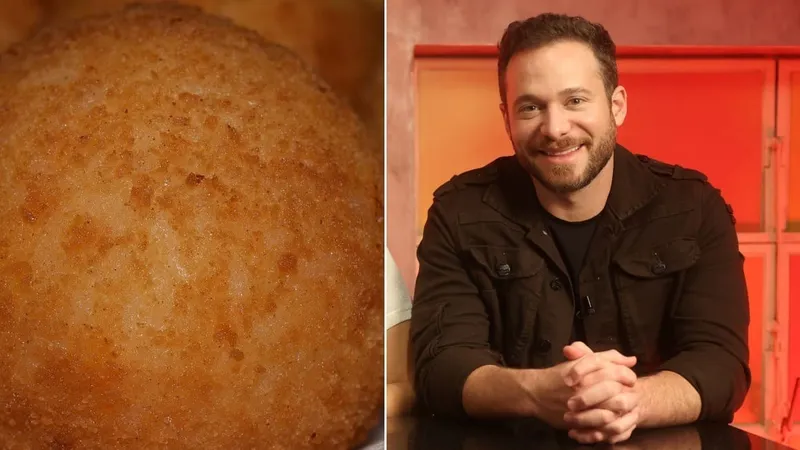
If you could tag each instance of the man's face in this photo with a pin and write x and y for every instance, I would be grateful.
(558, 115)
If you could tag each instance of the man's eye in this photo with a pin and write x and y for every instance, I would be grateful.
(527, 108)
(575, 101)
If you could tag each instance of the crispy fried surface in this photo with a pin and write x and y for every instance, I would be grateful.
(341, 39)
(191, 252)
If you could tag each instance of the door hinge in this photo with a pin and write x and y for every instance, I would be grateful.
(774, 344)
(774, 145)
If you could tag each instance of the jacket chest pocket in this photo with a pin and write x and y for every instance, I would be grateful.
(647, 281)
(509, 280)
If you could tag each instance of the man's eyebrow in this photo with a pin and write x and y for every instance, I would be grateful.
(574, 91)
(526, 98)
(563, 93)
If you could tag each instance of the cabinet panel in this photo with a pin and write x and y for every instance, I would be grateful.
(789, 130)
(757, 271)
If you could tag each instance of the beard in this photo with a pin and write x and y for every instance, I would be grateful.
(559, 178)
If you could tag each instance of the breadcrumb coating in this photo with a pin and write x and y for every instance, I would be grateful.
(191, 247)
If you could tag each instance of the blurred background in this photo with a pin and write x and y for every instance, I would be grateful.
(341, 39)
(712, 85)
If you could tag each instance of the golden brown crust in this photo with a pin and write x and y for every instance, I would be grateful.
(191, 252)
(341, 39)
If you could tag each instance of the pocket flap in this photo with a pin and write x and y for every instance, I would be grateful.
(507, 262)
(661, 259)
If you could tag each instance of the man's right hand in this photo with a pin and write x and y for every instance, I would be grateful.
(557, 384)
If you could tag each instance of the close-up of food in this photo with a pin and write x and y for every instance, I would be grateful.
(341, 39)
(191, 252)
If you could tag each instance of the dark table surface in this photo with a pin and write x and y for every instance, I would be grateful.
(424, 433)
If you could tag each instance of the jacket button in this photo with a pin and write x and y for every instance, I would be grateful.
(659, 268)
(543, 346)
(503, 270)
(555, 284)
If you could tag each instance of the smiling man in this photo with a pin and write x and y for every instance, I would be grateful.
(576, 282)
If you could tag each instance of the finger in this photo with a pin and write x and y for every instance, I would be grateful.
(580, 347)
(585, 365)
(576, 350)
(617, 358)
(613, 372)
(620, 404)
(586, 436)
(595, 361)
(591, 418)
(623, 423)
(594, 395)
(618, 431)
(622, 428)
(621, 437)
(607, 357)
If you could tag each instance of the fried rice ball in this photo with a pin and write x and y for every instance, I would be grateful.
(191, 247)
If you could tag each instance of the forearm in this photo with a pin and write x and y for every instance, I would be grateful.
(667, 399)
(492, 391)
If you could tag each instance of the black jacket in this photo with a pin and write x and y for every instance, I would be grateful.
(664, 273)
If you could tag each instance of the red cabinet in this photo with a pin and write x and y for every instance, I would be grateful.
(709, 115)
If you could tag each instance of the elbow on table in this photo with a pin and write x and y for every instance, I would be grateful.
(439, 381)
(720, 399)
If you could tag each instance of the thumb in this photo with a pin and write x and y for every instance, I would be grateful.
(576, 350)
(618, 358)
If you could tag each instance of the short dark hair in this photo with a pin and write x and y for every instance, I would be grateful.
(549, 28)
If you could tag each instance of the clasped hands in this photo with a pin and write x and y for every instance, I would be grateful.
(592, 395)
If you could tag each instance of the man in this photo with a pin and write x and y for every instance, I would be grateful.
(539, 272)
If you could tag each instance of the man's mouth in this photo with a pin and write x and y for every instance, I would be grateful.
(561, 152)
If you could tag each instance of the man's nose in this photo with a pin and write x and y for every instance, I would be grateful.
(555, 124)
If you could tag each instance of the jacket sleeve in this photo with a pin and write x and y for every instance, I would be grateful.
(711, 318)
(449, 322)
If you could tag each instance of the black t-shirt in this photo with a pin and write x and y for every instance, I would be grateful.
(572, 240)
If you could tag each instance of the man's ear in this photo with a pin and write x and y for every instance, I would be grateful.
(619, 105)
